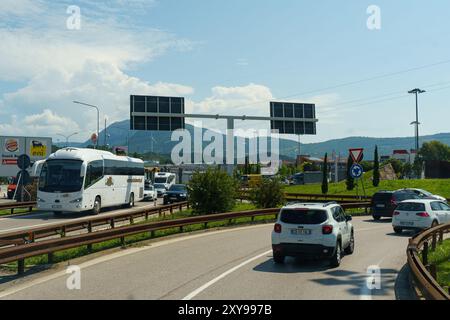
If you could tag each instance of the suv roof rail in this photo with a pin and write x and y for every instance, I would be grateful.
(329, 203)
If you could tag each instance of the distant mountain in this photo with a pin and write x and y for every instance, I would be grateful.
(160, 142)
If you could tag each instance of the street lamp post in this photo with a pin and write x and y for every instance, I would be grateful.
(98, 118)
(416, 92)
(67, 137)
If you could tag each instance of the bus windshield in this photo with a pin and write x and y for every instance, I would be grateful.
(61, 176)
(160, 180)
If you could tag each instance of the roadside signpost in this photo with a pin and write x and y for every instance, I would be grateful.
(356, 170)
(23, 177)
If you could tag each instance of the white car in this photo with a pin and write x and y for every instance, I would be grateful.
(420, 214)
(313, 230)
(424, 194)
(150, 193)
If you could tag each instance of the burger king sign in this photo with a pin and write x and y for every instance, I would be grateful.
(11, 145)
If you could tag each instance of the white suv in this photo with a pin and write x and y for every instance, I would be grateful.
(313, 230)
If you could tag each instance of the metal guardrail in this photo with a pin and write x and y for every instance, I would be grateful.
(22, 244)
(423, 272)
(325, 197)
(34, 233)
(18, 205)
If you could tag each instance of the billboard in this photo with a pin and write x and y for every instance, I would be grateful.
(37, 148)
(140, 106)
(292, 111)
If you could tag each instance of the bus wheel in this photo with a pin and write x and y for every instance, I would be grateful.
(97, 206)
(131, 201)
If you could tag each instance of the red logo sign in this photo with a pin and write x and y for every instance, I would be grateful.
(356, 154)
(9, 162)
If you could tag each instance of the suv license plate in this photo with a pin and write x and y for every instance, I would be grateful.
(405, 223)
(380, 205)
(300, 232)
(57, 206)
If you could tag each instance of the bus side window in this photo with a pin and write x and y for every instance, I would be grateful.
(94, 173)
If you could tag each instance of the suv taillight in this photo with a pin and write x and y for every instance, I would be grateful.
(423, 214)
(327, 229)
(277, 228)
(396, 213)
(393, 202)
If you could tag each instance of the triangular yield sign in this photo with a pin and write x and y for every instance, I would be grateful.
(356, 154)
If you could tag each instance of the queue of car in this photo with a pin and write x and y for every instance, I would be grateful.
(410, 209)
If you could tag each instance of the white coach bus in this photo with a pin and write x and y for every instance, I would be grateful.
(75, 180)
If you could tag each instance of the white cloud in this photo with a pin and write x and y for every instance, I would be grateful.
(46, 124)
(59, 65)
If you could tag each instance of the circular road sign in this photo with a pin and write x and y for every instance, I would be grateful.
(23, 161)
(356, 171)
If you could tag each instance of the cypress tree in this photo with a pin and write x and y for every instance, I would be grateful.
(376, 169)
(325, 175)
(350, 182)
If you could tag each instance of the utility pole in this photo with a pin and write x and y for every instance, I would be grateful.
(105, 133)
(416, 92)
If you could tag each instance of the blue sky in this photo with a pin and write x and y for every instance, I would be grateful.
(225, 57)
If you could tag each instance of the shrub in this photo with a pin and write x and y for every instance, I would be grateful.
(212, 191)
(269, 194)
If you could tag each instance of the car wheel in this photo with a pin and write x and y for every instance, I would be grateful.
(97, 206)
(57, 213)
(351, 245)
(336, 259)
(131, 201)
(434, 224)
(278, 258)
(398, 230)
(376, 218)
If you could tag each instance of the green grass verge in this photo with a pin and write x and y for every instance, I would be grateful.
(436, 186)
(7, 212)
(441, 258)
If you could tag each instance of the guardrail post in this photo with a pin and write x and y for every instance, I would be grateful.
(441, 236)
(433, 242)
(159, 213)
(89, 229)
(181, 207)
(171, 210)
(63, 231)
(30, 209)
(122, 241)
(425, 253)
(181, 229)
(205, 225)
(112, 223)
(253, 218)
(12, 210)
(50, 258)
(146, 215)
(21, 266)
(131, 219)
(433, 271)
(187, 205)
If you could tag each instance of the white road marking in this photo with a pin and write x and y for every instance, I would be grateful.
(223, 275)
(109, 257)
(366, 292)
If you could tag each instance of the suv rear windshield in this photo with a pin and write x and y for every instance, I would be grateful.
(410, 206)
(303, 216)
(382, 196)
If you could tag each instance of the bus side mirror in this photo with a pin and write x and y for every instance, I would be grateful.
(83, 170)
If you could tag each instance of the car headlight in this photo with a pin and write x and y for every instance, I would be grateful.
(77, 200)
(183, 195)
(40, 200)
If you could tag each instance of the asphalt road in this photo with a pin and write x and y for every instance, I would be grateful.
(228, 264)
(35, 219)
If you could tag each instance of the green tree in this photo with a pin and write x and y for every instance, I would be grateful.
(367, 165)
(212, 191)
(268, 194)
(350, 182)
(376, 168)
(325, 175)
(434, 150)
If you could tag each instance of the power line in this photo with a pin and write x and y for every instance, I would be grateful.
(345, 84)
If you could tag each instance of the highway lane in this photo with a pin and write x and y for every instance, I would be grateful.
(36, 219)
(229, 264)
